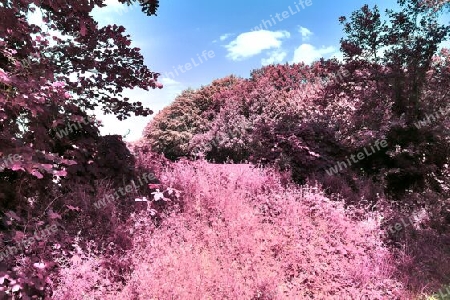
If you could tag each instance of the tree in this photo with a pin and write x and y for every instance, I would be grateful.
(192, 113)
(53, 76)
(437, 4)
(394, 67)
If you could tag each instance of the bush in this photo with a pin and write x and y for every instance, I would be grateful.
(241, 234)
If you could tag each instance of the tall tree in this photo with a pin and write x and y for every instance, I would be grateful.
(53, 75)
(394, 67)
(192, 113)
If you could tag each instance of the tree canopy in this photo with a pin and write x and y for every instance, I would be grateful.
(55, 74)
(305, 118)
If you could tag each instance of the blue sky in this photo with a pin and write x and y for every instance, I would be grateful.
(218, 38)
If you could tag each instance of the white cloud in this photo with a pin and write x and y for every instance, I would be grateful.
(338, 55)
(107, 15)
(308, 53)
(169, 81)
(252, 43)
(114, 4)
(305, 32)
(444, 44)
(223, 37)
(276, 56)
(172, 88)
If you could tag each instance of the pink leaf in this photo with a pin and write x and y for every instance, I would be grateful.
(39, 265)
(37, 174)
(12, 215)
(83, 29)
(18, 235)
(58, 84)
(69, 162)
(4, 77)
(60, 173)
(47, 167)
(52, 215)
(70, 207)
(16, 167)
(154, 186)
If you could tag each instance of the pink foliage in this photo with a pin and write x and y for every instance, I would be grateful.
(243, 235)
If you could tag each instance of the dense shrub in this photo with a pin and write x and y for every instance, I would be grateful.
(241, 234)
(237, 231)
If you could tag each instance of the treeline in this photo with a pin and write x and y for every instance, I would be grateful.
(308, 118)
